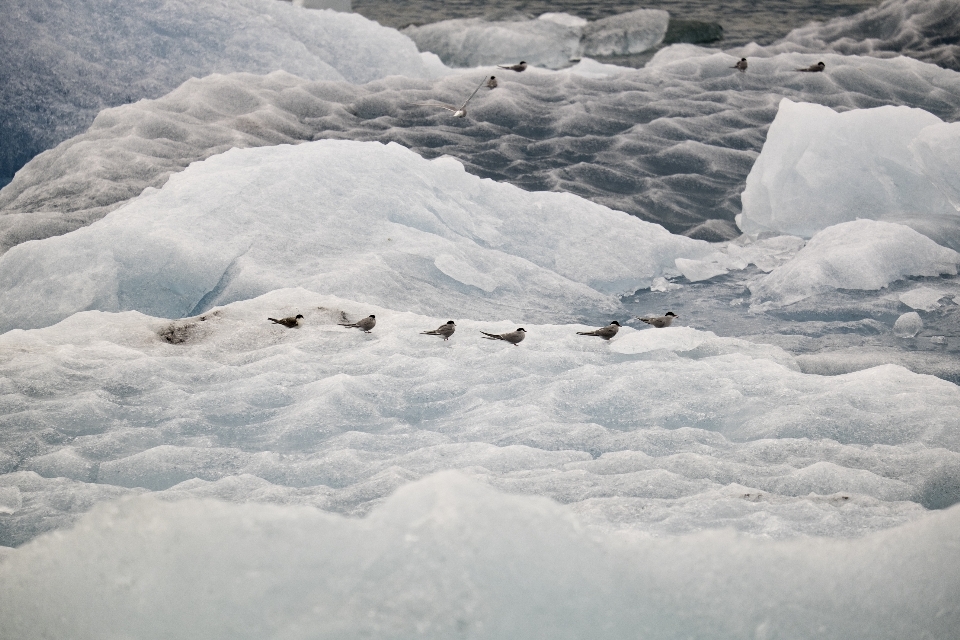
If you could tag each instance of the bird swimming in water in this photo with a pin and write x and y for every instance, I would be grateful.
(742, 65)
(606, 332)
(660, 321)
(492, 82)
(364, 325)
(513, 337)
(514, 67)
(458, 112)
(289, 323)
(814, 68)
(445, 330)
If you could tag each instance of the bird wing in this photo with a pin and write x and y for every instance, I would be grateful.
(448, 107)
(482, 82)
(491, 336)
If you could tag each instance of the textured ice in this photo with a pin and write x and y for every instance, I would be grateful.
(665, 431)
(671, 143)
(819, 168)
(923, 298)
(446, 557)
(63, 61)
(377, 223)
(922, 29)
(552, 40)
(863, 254)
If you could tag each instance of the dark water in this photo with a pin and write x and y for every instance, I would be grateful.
(743, 21)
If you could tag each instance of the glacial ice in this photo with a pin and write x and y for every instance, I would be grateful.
(665, 431)
(446, 557)
(671, 143)
(908, 325)
(63, 61)
(553, 40)
(863, 254)
(375, 223)
(819, 168)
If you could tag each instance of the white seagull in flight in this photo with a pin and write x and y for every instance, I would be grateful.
(458, 112)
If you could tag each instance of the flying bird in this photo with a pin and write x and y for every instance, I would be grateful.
(606, 332)
(445, 330)
(290, 323)
(814, 68)
(661, 321)
(513, 337)
(742, 65)
(514, 67)
(364, 325)
(492, 82)
(458, 112)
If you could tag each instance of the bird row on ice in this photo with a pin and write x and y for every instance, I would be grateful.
(491, 83)
(513, 337)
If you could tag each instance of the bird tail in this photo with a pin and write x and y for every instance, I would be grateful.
(585, 333)
(274, 320)
(491, 336)
(429, 333)
(347, 324)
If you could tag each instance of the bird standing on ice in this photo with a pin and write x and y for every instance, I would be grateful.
(364, 325)
(513, 337)
(458, 112)
(445, 330)
(492, 82)
(606, 332)
(289, 323)
(513, 67)
(814, 68)
(742, 65)
(660, 321)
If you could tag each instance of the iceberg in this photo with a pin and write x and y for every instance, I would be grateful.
(64, 61)
(376, 223)
(819, 168)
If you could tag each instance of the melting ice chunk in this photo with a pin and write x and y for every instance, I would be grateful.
(908, 325)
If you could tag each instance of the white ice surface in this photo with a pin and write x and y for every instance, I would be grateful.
(65, 60)
(863, 254)
(445, 557)
(375, 223)
(664, 431)
(819, 168)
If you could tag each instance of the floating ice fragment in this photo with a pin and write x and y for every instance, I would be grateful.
(922, 298)
(863, 254)
(908, 325)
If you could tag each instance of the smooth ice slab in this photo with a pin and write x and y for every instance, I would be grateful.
(376, 223)
(819, 168)
(446, 557)
(864, 254)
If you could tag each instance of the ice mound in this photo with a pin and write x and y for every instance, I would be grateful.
(863, 254)
(660, 430)
(373, 222)
(446, 557)
(671, 143)
(552, 40)
(819, 168)
(922, 29)
(64, 61)
(908, 325)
